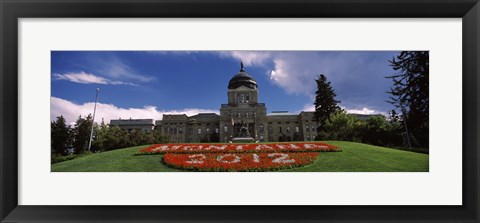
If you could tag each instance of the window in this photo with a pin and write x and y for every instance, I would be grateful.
(261, 138)
(190, 131)
(270, 130)
(180, 130)
(297, 129)
(288, 122)
(246, 114)
(225, 128)
(288, 129)
(225, 138)
(269, 123)
(307, 128)
(216, 130)
(208, 130)
(239, 115)
(238, 98)
(175, 130)
(199, 131)
(312, 127)
(280, 129)
(261, 128)
(165, 130)
(279, 123)
(247, 99)
(308, 138)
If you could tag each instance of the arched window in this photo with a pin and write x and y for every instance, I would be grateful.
(225, 128)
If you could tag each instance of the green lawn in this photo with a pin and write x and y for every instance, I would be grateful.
(356, 157)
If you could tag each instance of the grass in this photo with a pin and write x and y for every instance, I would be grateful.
(356, 157)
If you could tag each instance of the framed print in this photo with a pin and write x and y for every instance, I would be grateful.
(212, 111)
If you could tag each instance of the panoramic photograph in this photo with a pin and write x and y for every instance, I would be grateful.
(239, 111)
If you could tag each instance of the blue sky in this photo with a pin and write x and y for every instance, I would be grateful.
(148, 84)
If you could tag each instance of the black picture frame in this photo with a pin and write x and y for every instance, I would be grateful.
(11, 11)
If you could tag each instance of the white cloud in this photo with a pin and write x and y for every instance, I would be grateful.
(114, 68)
(248, 58)
(308, 107)
(295, 71)
(71, 111)
(86, 78)
(363, 111)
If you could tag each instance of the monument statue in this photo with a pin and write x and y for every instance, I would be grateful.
(243, 132)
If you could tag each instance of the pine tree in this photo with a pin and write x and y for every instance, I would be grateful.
(409, 92)
(60, 136)
(81, 133)
(325, 103)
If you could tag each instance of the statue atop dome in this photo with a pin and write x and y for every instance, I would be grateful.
(242, 78)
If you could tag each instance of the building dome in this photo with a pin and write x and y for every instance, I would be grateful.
(242, 79)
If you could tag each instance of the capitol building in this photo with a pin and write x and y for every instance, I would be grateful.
(242, 110)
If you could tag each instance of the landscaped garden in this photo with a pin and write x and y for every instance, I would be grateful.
(329, 156)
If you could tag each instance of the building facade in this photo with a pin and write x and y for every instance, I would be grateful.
(242, 109)
(134, 124)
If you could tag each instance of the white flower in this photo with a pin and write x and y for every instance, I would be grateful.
(281, 158)
(293, 146)
(221, 157)
(216, 147)
(163, 148)
(196, 159)
(260, 147)
(256, 159)
(175, 147)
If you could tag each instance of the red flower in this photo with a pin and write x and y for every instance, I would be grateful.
(238, 157)
(239, 148)
(238, 161)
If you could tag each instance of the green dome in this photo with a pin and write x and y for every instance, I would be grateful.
(242, 78)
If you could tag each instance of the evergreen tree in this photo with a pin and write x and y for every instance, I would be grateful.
(409, 92)
(100, 136)
(81, 133)
(60, 134)
(325, 103)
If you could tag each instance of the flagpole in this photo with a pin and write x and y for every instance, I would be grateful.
(93, 120)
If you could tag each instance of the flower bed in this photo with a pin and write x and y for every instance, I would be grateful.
(238, 161)
(238, 148)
